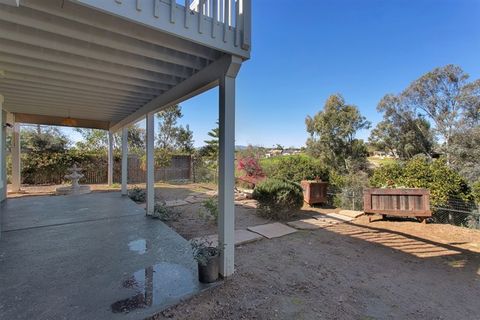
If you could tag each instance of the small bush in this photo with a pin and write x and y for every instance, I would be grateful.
(295, 168)
(278, 199)
(165, 213)
(137, 194)
(476, 192)
(210, 206)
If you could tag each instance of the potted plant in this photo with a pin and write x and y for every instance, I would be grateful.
(207, 257)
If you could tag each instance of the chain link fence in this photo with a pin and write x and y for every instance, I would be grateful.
(457, 212)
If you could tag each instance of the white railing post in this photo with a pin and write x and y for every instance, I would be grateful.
(150, 164)
(187, 13)
(16, 165)
(3, 182)
(237, 23)
(110, 159)
(173, 4)
(226, 20)
(247, 24)
(214, 17)
(124, 161)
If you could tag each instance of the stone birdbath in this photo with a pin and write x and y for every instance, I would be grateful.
(75, 188)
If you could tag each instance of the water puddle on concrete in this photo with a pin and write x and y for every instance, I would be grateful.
(139, 246)
(157, 285)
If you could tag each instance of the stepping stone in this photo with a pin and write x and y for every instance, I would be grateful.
(245, 236)
(339, 216)
(272, 230)
(310, 224)
(241, 237)
(351, 213)
(175, 203)
(333, 217)
(211, 193)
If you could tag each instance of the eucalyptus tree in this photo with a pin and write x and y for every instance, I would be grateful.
(333, 135)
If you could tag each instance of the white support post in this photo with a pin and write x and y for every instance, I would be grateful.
(3, 180)
(150, 164)
(110, 158)
(226, 181)
(124, 160)
(16, 166)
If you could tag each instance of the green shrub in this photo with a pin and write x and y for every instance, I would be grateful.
(210, 206)
(443, 182)
(164, 213)
(295, 168)
(278, 199)
(137, 194)
(476, 192)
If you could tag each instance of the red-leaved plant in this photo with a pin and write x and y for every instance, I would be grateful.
(252, 169)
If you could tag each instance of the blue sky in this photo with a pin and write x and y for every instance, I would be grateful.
(305, 50)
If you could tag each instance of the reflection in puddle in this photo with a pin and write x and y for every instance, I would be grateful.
(139, 246)
(156, 285)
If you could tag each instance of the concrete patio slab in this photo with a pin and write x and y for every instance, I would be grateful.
(241, 237)
(100, 258)
(272, 230)
(351, 213)
(32, 212)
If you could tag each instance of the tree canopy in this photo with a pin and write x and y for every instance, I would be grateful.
(333, 135)
(172, 136)
(444, 97)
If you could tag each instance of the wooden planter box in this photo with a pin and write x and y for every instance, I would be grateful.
(397, 202)
(314, 192)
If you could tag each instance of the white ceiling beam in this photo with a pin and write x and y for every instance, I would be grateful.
(64, 76)
(14, 3)
(196, 84)
(95, 18)
(99, 75)
(68, 84)
(70, 105)
(59, 90)
(111, 105)
(22, 89)
(50, 55)
(42, 21)
(60, 43)
(57, 112)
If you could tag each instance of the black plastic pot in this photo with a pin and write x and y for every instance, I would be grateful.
(209, 272)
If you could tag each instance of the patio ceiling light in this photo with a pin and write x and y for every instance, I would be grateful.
(69, 122)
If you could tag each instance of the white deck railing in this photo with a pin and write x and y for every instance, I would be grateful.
(221, 24)
(234, 14)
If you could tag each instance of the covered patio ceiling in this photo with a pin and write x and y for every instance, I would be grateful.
(65, 63)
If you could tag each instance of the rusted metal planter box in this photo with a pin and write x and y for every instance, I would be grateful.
(397, 202)
(314, 191)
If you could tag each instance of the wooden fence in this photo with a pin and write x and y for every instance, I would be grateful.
(96, 173)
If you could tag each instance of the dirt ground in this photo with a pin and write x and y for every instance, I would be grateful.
(346, 271)
(386, 269)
